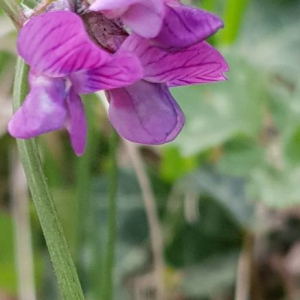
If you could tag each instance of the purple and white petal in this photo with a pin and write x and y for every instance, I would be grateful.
(110, 6)
(56, 44)
(197, 64)
(145, 17)
(76, 123)
(43, 109)
(184, 26)
(145, 113)
(123, 70)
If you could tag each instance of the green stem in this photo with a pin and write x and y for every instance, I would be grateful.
(233, 18)
(84, 178)
(13, 10)
(60, 255)
(109, 259)
(209, 5)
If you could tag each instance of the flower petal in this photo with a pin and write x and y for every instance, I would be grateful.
(144, 17)
(123, 70)
(42, 111)
(184, 26)
(145, 113)
(200, 63)
(76, 125)
(56, 44)
(107, 5)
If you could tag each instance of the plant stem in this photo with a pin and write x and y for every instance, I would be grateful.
(243, 282)
(60, 255)
(156, 237)
(20, 209)
(208, 5)
(40, 8)
(109, 259)
(13, 10)
(233, 18)
(84, 232)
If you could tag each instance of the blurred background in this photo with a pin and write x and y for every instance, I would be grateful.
(226, 220)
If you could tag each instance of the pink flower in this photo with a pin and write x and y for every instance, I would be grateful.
(146, 112)
(166, 49)
(168, 23)
(64, 62)
(169, 39)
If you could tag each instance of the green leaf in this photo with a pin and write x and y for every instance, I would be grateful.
(229, 192)
(241, 157)
(292, 148)
(276, 188)
(269, 38)
(285, 109)
(173, 165)
(218, 112)
(211, 277)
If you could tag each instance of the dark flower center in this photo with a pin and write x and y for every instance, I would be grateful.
(108, 34)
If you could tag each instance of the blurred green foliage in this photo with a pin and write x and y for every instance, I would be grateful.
(7, 274)
(237, 156)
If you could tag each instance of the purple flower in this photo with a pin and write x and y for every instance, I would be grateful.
(64, 63)
(168, 23)
(166, 49)
(146, 112)
(184, 26)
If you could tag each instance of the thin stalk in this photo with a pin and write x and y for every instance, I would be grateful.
(60, 255)
(23, 246)
(84, 167)
(156, 238)
(13, 10)
(233, 18)
(41, 7)
(243, 278)
(109, 260)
